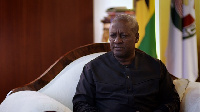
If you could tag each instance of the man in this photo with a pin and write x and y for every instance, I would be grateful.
(125, 79)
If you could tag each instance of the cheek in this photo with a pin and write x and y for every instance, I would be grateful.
(111, 44)
(130, 44)
(111, 41)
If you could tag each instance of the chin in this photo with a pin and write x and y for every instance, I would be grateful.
(119, 55)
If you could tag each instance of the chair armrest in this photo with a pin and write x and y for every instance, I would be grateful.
(31, 101)
(191, 98)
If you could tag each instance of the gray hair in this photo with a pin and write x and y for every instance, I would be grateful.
(127, 18)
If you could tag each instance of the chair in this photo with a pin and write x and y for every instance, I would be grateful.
(55, 88)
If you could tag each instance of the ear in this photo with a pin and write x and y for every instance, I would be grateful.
(137, 37)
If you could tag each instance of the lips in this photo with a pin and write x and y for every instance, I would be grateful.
(118, 48)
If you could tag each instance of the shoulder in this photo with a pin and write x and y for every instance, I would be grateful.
(104, 58)
(149, 61)
(144, 56)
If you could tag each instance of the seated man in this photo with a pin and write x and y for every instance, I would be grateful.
(125, 79)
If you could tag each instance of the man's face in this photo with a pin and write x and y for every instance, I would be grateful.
(122, 39)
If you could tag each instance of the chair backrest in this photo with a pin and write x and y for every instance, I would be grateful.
(61, 63)
(63, 87)
(60, 79)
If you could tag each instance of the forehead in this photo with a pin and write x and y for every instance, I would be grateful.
(120, 25)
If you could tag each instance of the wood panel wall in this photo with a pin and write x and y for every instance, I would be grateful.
(35, 33)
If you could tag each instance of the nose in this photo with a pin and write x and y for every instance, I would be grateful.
(118, 39)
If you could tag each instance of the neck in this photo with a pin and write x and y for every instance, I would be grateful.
(126, 60)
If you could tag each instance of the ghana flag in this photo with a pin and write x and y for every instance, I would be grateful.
(145, 15)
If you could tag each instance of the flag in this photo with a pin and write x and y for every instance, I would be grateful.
(181, 55)
(145, 15)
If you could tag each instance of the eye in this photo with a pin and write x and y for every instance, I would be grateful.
(112, 35)
(124, 35)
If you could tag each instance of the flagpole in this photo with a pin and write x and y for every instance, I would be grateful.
(157, 25)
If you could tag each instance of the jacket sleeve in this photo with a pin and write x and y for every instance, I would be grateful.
(84, 98)
(170, 101)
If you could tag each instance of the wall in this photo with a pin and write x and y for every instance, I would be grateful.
(35, 33)
(164, 15)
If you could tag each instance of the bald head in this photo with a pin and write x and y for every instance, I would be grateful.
(133, 24)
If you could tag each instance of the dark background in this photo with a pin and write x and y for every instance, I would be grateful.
(35, 33)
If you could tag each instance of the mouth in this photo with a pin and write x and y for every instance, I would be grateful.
(118, 48)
